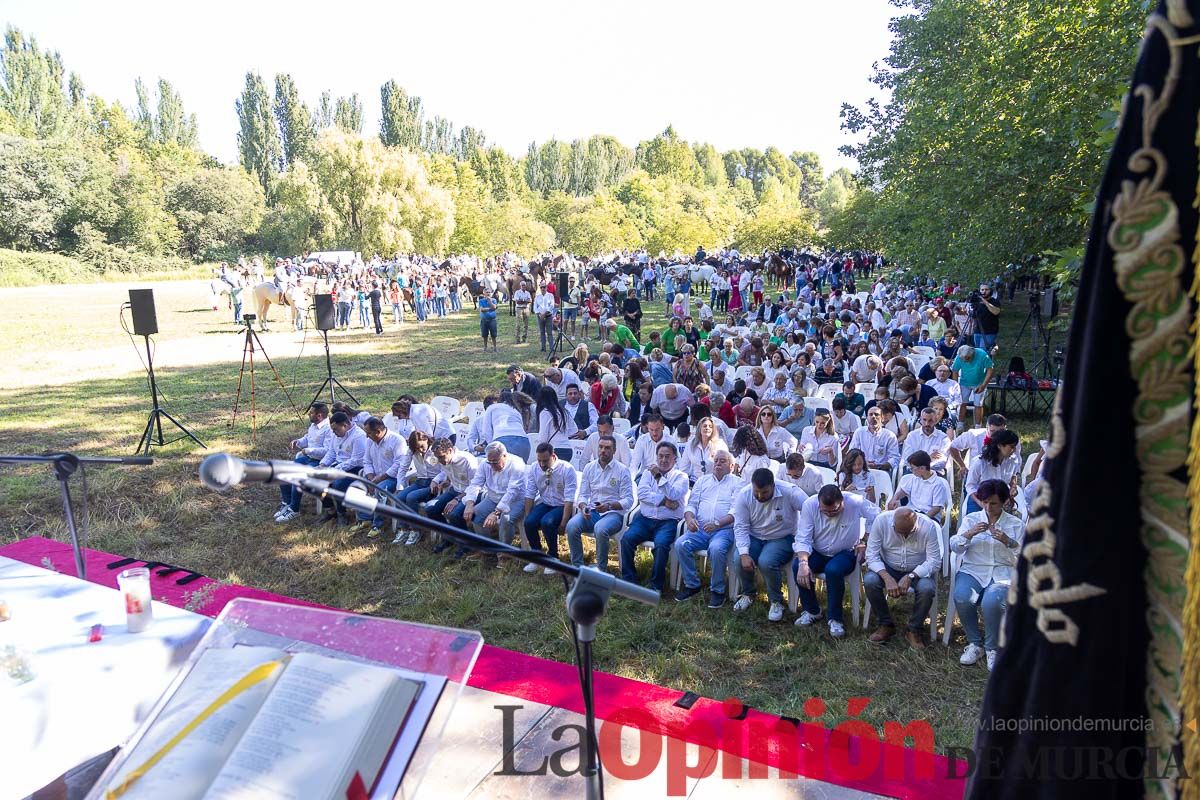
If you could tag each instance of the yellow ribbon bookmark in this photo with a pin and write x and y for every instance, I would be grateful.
(253, 677)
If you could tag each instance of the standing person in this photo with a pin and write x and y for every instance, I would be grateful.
(543, 309)
(419, 307)
(522, 299)
(396, 299)
(236, 287)
(973, 370)
(360, 295)
(986, 310)
(376, 298)
(649, 279)
(631, 311)
(345, 297)
(487, 318)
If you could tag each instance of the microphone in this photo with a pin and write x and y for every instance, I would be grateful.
(220, 471)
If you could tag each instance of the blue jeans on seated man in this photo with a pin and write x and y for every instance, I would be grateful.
(438, 506)
(341, 484)
(602, 526)
(388, 484)
(993, 601)
(769, 555)
(718, 544)
(415, 492)
(543, 519)
(836, 567)
(644, 529)
(507, 525)
(925, 589)
(291, 494)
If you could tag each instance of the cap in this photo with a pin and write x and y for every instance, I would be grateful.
(511, 369)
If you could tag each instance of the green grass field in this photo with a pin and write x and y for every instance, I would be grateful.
(97, 402)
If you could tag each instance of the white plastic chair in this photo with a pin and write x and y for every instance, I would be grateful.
(827, 475)
(923, 350)
(826, 391)
(448, 407)
(1025, 476)
(818, 402)
(883, 486)
(951, 611)
(472, 410)
(919, 360)
(867, 390)
(620, 425)
(577, 448)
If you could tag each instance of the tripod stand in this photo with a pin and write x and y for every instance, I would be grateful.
(248, 349)
(330, 380)
(558, 348)
(153, 433)
(1037, 332)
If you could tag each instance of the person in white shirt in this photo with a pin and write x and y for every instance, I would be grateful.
(928, 438)
(560, 380)
(970, 442)
(310, 449)
(552, 484)
(644, 450)
(765, 516)
(604, 427)
(504, 422)
(544, 308)
(946, 386)
(878, 444)
(778, 395)
(793, 470)
(347, 452)
(522, 300)
(581, 411)
(818, 443)
(989, 542)
(708, 526)
(448, 486)
(926, 493)
(777, 438)
(605, 494)
(493, 501)
(831, 539)
(386, 462)
(865, 369)
(995, 462)
(671, 401)
(903, 552)
(700, 453)
(662, 492)
(409, 415)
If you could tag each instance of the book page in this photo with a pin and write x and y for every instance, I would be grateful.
(324, 720)
(187, 770)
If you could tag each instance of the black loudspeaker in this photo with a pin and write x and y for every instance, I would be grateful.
(1050, 303)
(560, 280)
(141, 302)
(326, 318)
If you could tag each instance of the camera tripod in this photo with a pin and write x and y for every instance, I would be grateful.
(1037, 333)
(557, 348)
(331, 381)
(152, 435)
(248, 350)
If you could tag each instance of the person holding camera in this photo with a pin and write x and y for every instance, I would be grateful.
(986, 311)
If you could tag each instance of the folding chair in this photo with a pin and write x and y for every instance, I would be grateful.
(448, 407)
(472, 411)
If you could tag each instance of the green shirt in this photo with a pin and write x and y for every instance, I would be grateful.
(625, 338)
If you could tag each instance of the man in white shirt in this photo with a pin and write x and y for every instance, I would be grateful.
(560, 380)
(544, 308)
(386, 462)
(708, 526)
(549, 489)
(604, 427)
(448, 486)
(647, 444)
(347, 452)
(493, 500)
(865, 369)
(903, 552)
(926, 493)
(671, 401)
(795, 472)
(522, 300)
(928, 438)
(310, 449)
(662, 494)
(605, 494)
(764, 529)
(878, 444)
(830, 540)
(946, 386)
(580, 410)
(649, 278)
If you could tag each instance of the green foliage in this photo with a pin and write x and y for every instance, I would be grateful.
(32, 100)
(348, 114)
(258, 139)
(400, 121)
(217, 211)
(987, 152)
(776, 225)
(35, 193)
(668, 155)
(297, 127)
(300, 220)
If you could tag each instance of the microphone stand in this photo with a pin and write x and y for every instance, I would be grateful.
(587, 599)
(65, 465)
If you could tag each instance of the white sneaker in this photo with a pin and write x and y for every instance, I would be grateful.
(743, 603)
(547, 571)
(281, 508)
(531, 568)
(836, 629)
(970, 655)
(991, 659)
(401, 537)
(776, 612)
(414, 536)
(805, 619)
(287, 516)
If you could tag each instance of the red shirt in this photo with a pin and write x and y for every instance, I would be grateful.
(725, 414)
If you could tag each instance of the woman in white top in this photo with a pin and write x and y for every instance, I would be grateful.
(758, 381)
(995, 462)
(818, 442)
(989, 542)
(792, 346)
(555, 425)
(855, 477)
(697, 456)
(779, 441)
(777, 364)
(749, 452)
(892, 419)
(504, 422)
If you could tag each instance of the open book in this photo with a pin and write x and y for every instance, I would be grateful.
(298, 726)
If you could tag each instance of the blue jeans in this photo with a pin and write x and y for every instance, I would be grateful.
(436, 508)
(993, 601)
(290, 494)
(455, 302)
(422, 312)
(925, 589)
(362, 315)
(487, 327)
(416, 492)
(343, 320)
(397, 313)
(836, 567)
(543, 519)
(439, 306)
(505, 527)
(644, 529)
(985, 341)
(237, 312)
(602, 526)
(717, 544)
(769, 555)
(389, 484)
(517, 445)
(341, 485)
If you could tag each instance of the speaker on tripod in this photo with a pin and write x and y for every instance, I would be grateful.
(327, 321)
(141, 305)
(145, 324)
(326, 314)
(560, 284)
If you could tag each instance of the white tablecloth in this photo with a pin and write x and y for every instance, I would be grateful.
(83, 698)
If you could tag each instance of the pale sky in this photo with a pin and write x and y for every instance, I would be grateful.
(737, 73)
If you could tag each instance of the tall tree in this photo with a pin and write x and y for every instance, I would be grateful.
(667, 154)
(172, 123)
(812, 176)
(295, 121)
(533, 168)
(32, 100)
(144, 116)
(468, 141)
(258, 140)
(348, 114)
(324, 115)
(399, 121)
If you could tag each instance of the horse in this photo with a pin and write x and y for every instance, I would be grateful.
(701, 275)
(216, 288)
(266, 293)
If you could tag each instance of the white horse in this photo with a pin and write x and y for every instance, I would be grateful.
(216, 288)
(702, 273)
